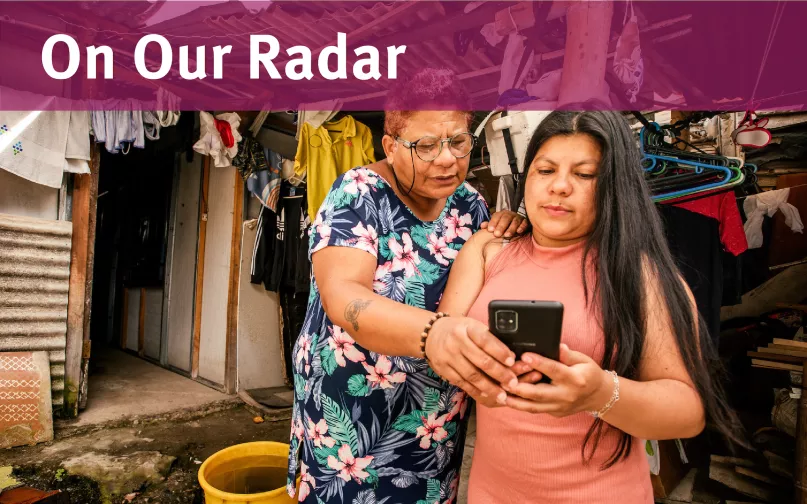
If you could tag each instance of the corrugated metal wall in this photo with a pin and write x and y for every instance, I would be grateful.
(34, 281)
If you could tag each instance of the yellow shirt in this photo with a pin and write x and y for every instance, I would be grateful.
(329, 151)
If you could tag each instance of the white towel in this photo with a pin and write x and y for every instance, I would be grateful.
(756, 207)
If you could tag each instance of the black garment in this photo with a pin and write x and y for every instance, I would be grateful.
(292, 308)
(694, 241)
(263, 252)
(280, 257)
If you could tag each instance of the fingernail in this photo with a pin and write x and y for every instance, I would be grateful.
(513, 383)
(510, 361)
(527, 359)
(502, 398)
(483, 394)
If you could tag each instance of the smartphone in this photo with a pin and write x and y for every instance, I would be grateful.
(527, 326)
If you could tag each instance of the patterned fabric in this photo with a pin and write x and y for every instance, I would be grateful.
(369, 427)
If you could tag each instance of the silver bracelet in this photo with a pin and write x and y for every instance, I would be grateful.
(612, 401)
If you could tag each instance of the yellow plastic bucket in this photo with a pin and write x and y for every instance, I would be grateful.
(253, 473)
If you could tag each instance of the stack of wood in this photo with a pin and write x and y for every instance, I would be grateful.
(782, 354)
(764, 482)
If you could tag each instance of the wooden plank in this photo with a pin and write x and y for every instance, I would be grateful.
(588, 29)
(775, 365)
(734, 461)
(231, 350)
(125, 322)
(800, 475)
(95, 166)
(141, 325)
(727, 476)
(788, 286)
(200, 268)
(790, 343)
(757, 476)
(774, 356)
(779, 465)
(82, 187)
(770, 352)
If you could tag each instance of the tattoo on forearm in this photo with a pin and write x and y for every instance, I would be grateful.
(353, 309)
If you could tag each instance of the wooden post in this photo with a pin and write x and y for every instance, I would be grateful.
(800, 474)
(200, 269)
(141, 325)
(124, 326)
(95, 166)
(588, 30)
(74, 348)
(231, 350)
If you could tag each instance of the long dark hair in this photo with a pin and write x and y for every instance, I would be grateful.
(628, 232)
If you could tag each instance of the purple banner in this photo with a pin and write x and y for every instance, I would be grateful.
(540, 55)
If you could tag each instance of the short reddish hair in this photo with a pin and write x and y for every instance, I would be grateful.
(429, 89)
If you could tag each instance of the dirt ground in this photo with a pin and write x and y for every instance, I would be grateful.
(191, 442)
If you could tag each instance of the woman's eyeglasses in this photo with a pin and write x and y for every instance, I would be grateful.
(429, 148)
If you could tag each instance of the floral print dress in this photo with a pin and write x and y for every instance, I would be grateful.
(370, 428)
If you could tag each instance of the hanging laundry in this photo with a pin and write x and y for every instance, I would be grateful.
(260, 168)
(151, 125)
(694, 241)
(756, 207)
(722, 207)
(119, 128)
(77, 150)
(506, 196)
(211, 143)
(167, 112)
(316, 114)
(328, 151)
(41, 146)
(628, 62)
(280, 257)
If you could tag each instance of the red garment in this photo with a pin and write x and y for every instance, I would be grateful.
(722, 207)
(226, 132)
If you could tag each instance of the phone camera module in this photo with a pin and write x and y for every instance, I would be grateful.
(506, 321)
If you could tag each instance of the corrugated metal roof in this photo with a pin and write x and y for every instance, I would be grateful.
(34, 281)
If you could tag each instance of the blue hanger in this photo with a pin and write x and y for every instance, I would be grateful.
(698, 166)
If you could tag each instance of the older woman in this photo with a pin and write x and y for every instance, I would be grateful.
(372, 419)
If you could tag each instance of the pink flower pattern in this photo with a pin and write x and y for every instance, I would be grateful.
(366, 238)
(307, 482)
(432, 429)
(349, 466)
(358, 181)
(440, 250)
(456, 226)
(406, 258)
(379, 375)
(343, 346)
(317, 432)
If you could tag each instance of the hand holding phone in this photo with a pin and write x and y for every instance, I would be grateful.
(528, 326)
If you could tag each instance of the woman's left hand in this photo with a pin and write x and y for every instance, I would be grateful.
(505, 223)
(578, 384)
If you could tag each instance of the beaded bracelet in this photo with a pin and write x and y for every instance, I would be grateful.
(425, 334)
(614, 397)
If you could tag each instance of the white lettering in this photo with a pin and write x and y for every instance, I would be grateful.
(166, 57)
(74, 56)
(392, 60)
(218, 60)
(304, 62)
(372, 62)
(256, 57)
(92, 61)
(341, 59)
(184, 64)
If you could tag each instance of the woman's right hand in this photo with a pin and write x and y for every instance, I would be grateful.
(463, 351)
